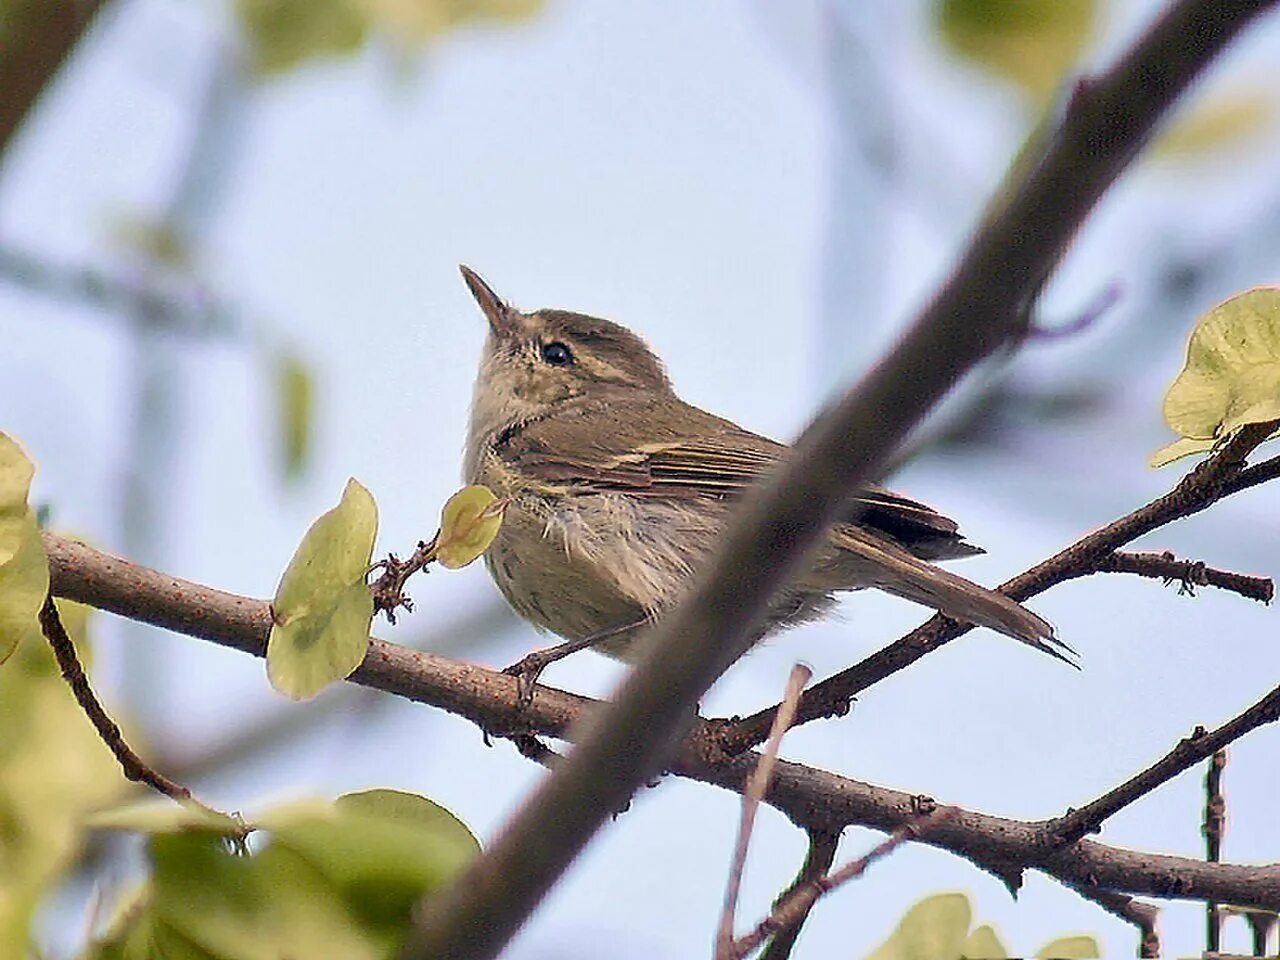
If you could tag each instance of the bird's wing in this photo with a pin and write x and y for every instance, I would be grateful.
(661, 447)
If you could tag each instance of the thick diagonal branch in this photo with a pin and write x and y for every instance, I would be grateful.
(980, 309)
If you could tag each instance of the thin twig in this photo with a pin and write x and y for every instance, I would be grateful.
(751, 797)
(1215, 819)
(1188, 752)
(134, 767)
(1145, 916)
(821, 855)
(1188, 574)
(1218, 476)
(388, 589)
(814, 799)
(801, 900)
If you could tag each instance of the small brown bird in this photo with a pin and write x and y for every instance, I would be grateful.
(619, 491)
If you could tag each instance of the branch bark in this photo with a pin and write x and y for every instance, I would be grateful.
(36, 38)
(817, 801)
(981, 308)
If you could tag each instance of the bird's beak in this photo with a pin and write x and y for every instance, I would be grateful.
(503, 320)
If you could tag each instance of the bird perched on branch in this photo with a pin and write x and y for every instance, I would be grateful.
(619, 490)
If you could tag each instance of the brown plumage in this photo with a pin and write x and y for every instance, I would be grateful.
(619, 490)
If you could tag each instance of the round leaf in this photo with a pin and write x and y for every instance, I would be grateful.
(323, 606)
(1071, 948)
(468, 524)
(24, 568)
(934, 929)
(1232, 373)
(983, 944)
(1031, 42)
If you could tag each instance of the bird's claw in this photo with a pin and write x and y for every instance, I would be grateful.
(527, 670)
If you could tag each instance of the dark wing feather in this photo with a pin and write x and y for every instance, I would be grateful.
(658, 446)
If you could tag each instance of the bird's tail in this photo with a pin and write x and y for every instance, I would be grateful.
(892, 568)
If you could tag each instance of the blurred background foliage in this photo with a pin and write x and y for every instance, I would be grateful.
(765, 190)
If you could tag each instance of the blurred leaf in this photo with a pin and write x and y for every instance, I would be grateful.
(159, 242)
(24, 568)
(53, 770)
(468, 523)
(936, 928)
(295, 409)
(1232, 372)
(1213, 124)
(983, 944)
(323, 606)
(284, 33)
(421, 20)
(155, 817)
(383, 851)
(337, 880)
(1030, 42)
(1070, 948)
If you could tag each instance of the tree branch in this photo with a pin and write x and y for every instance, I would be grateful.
(36, 37)
(1189, 574)
(821, 855)
(817, 801)
(1144, 916)
(133, 766)
(1218, 476)
(980, 309)
(1188, 752)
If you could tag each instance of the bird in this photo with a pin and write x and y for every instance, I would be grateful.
(617, 492)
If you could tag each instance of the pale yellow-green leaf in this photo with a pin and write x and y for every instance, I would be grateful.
(24, 568)
(1232, 373)
(983, 944)
(420, 20)
(1179, 449)
(1070, 948)
(1030, 42)
(934, 929)
(284, 33)
(53, 769)
(323, 607)
(1216, 123)
(152, 816)
(468, 523)
(295, 405)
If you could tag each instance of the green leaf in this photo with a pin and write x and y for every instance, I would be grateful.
(1070, 948)
(153, 817)
(53, 770)
(936, 928)
(266, 907)
(383, 850)
(323, 607)
(24, 568)
(1030, 42)
(468, 524)
(295, 405)
(284, 33)
(1232, 372)
(1223, 121)
(983, 944)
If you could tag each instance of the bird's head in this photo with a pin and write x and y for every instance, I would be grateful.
(535, 362)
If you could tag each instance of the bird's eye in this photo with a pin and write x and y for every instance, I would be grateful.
(557, 354)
